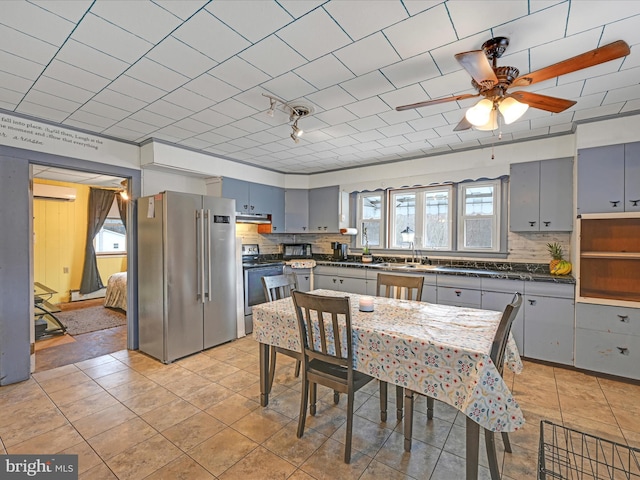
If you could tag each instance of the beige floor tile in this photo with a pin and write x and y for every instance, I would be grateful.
(19, 392)
(182, 468)
(239, 381)
(300, 475)
(150, 400)
(208, 396)
(609, 431)
(32, 425)
(244, 361)
(222, 451)
(629, 417)
(187, 385)
(105, 369)
(260, 424)
(144, 364)
(144, 458)
(367, 437)
(521, 464)
(170, 414)
(432, 432)
(99, 472)
(169, 373)
(194, 430)
(87, 457)
(287, 403)
(287, 445)
(418, 463)
(379, 471)
(232, 408)
(583, 405)
(137, 386)
(55, 373)
(327, 420)
(632, 438)
(327, 462)
(96, 423)
(198, 362)
(75, 393)
(260, 463)
(121, 437)
(223, 352)
(72, 379)
(53, 441)
(529, 435)
(218, 372)
(94, 362)
(87, 406)
(120, 377)
(456, 444)
(451, 466)
(13, 410)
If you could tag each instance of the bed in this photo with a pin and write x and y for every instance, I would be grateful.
(116, 295)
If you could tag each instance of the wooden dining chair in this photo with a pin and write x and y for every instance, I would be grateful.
(324, 325)
(497, 354)
(407, 287)
(277, 287)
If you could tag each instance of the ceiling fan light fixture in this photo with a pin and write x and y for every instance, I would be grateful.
(511, 109)
(492, 122)
(480, 113)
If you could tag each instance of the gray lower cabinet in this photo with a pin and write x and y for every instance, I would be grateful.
(608, 339)
(352, 280)
(496, 295)
(303, 277)
(459, 291)
(549, 321)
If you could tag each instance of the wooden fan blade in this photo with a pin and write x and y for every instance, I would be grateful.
(463, 125)
(543, 102)
(436, 101)
(591, 58)
(477, 65)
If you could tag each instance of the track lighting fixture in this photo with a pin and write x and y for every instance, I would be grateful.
(295, 112)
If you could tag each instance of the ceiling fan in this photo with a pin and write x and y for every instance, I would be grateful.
(493, 82)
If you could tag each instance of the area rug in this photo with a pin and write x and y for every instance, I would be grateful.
(90, 319)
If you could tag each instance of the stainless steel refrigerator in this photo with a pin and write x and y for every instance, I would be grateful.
(186, 274)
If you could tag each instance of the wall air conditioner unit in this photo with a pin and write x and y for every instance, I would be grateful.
(53, 192)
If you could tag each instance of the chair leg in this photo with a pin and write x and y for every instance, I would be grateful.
(336, 397)
(383, 401)
(430, 402)
(303, 406)
(312, 406)
(408, 419)
(507, 443)
(297, 373)
(490, 442)
(347, 441)
(399, 402)
(272, 366)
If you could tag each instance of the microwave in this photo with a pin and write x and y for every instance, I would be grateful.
(292, 251)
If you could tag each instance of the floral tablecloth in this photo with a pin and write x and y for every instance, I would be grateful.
(437, 350)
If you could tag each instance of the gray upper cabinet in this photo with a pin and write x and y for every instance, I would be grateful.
(328, 209)
(257, 198)
(238, 189)
(541, 196)
(601, 179)
(632, 177)
(296, 210)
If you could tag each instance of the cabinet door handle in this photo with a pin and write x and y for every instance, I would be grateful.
(458, 293)
(623, 318)
(319, 228)
(532, 302)
(614, 203)
(306, 278)
(245, 207)
(634, 203)
(623, 350)
(325, 228)
(304, 228)
(275, 228)
(252, 207)
(546, 224)
(532, 224)
(335, 280)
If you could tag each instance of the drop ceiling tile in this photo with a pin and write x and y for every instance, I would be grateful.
(395, 130)
(342, 142)
(239, 73)
(20, 66)
(46, 99)
(303, 35)
(250, 125)
(104, 110)
(625, 29)
(359, 22)
(588, 15)
(445, 56)
(368, 136)
(194, 143)
(422, 135)
(26, 46)
(72, 11)
(603, 83)
(317, 140)
(288, 86)
(454, 117)
(182, 9)
(600, 111)
(63, 90)
(555, 119)
(470, 17)
(91, 119)
(265, 137)
(36, 21)
(41, 111)
(226, 148)
(332, 97)
(272, 56)
(143, 19)
(211, 138)
(622, 94)
(448, 85)
(173, 131)
(253, 20)
(392, 141)
(10, 96)
(559, 50)
(335, 116)
(367, 85)
(404, 96)
(165, 136)
(524, 33)
(368, 123)
(538, 132)
(393, 117)
(244, 142)
(340, 130)
(324, 72)
(365, 108)
(275, 147)
(151, 118)
(153, 73)
(168, 109)
(412, 70)
(75, 76)
(257, 152)
(188, 100)
(180, 57)
(447, 140)
(211, 87)
(192, 125)
(368, 146)
(409, 39)
(340, 152)
(230, 132)
(234, 109)
(312, 123)
(370, 53)
(566, 128)
(119, 100)
(210, 36)
(137, 89)
(211, 117)
(110, 39)
(91, 60)
(391, 149)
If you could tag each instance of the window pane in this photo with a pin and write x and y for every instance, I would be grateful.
(478, 200)
(478, 232)
(371, 207)
(111, 238)
(373, 234)
(436, 233)
(404, 206)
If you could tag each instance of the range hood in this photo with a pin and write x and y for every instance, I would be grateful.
(255, 218)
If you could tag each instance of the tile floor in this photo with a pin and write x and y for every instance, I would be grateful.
(128, 416)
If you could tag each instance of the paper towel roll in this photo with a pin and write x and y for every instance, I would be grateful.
(349, 231)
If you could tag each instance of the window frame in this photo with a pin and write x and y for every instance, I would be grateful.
(496, 216)
(114, 214)
(382, 220)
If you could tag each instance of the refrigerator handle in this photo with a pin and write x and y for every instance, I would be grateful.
(208, 264)
(201, 259)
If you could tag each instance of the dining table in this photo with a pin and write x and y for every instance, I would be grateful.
(440, 351)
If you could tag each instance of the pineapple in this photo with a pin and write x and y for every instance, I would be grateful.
(555, 249)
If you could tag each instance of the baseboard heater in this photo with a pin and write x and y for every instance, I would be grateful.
(76, 296)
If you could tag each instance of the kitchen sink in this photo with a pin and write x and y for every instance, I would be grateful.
(406, 266)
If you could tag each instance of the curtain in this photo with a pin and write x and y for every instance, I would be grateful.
(100, 201)
(122, 209)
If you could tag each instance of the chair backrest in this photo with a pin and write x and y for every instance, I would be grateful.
(278, 286)
(393, 286)
(321, 320)
(499, 345)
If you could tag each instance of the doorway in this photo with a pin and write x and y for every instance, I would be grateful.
(91, 326)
